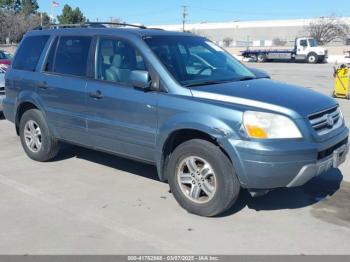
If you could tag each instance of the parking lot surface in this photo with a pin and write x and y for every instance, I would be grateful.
(86, 202)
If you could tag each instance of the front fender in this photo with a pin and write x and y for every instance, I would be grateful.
(212, 126)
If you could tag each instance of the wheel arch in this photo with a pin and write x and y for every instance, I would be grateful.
(314, 54)
(179, 136)
(27, 100)
(21, 109)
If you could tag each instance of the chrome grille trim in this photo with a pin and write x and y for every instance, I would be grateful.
(326, 121)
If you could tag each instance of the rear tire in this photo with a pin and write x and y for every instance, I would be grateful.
(37, 140)
(202, 178)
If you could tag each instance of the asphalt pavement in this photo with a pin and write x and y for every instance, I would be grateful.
(86, 202)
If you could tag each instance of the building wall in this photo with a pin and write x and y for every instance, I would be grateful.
(251, 32)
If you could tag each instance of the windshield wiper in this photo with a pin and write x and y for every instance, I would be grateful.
(245, 78)
(214, 82)
(206, 83)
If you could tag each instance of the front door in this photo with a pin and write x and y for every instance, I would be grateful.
(121, 119)
(302, 47)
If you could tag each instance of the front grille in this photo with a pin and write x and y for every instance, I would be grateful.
(2, 90)
(326, 121)
(329, 151)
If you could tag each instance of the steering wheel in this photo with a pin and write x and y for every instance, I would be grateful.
(203, 69)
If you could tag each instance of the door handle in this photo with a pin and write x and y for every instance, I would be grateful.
(42, 85)
(97, 94)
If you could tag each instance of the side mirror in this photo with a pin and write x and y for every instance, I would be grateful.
(259, 73)
(140, 79)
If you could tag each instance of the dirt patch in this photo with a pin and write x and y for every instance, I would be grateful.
(336, 208)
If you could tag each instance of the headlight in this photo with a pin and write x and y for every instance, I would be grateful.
(263, 125)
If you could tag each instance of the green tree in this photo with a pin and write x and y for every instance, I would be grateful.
(10, 5)
(29, 6)
(25, 6)
(71, 16)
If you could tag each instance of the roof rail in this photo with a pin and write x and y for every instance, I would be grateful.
(88, 25)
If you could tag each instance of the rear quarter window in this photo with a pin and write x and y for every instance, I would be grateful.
(29, 52)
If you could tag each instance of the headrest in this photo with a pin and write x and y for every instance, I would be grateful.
(107, 51)
(161, 51)
(117, 61)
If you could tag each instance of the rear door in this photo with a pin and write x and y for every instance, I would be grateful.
(62, 87)
(121, 119)
(21, 79)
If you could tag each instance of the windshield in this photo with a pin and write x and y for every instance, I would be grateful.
(195, 60)
(312, 42)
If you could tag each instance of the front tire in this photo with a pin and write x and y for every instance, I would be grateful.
(202, 178)
(37, 140)
(312, 58)
(261, 58)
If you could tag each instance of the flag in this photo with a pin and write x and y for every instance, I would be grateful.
(55, 4)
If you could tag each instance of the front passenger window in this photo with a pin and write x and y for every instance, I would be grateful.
(116, 60)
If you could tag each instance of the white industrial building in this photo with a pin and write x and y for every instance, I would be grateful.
(252, 33)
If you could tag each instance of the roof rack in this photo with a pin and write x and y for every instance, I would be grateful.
(88, 25)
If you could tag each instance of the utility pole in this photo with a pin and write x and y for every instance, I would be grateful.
(184, 15)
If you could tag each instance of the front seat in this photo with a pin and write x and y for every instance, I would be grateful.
(112, 73)
(122, 65)
(165, 57)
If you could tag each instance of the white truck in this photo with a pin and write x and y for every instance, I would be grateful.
(305, 49)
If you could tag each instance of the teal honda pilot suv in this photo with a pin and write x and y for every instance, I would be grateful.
(210, 124)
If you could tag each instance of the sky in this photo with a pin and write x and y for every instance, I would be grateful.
(157, 12)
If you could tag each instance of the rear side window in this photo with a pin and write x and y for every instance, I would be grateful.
(71, 56)
(28, 55)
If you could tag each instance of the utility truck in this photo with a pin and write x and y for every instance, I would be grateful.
(305, 50)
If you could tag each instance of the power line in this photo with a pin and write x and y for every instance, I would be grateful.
(184, 15)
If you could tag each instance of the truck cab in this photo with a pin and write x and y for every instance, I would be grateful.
(308, 49)
(305, 50)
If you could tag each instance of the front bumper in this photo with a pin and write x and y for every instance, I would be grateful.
(311, 170)
(285, 163)
(322, 58)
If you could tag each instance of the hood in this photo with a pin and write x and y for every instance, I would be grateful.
(318, 50)
(267, 94)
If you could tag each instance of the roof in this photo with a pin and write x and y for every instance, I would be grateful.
(108, 31)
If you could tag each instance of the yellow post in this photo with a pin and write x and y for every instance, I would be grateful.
(341, 86)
